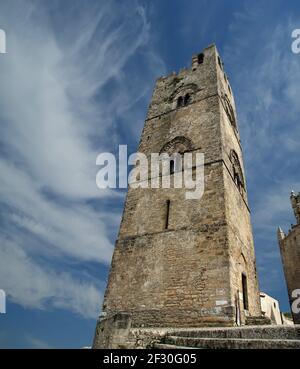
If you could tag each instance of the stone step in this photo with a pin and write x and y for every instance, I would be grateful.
(258, 320)
(231, 343)
(166, 346)
(246, 332)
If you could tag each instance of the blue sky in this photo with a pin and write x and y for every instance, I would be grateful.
(76, 81)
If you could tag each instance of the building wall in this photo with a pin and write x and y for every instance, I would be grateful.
(290, 254)
(189, 274)
(178, 276)
(286, 320)
(270, 307)
(240, 239)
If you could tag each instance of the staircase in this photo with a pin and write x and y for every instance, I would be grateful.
(258, 320)
(246, 337)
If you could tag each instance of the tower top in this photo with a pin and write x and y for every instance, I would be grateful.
(204, 78)
(295, 201)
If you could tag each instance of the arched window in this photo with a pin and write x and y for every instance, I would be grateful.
(183, 101)
(229, 110)
(237, 171)
(178, 144)
(175, 150)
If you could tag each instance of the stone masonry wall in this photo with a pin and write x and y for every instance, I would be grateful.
(290, 254)
(188, 274)
(181, 273)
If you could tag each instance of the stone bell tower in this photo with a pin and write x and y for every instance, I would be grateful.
(290, 254)
(179, 262)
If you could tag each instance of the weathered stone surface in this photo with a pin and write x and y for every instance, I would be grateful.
(112, 332)
(261, 337)
(228, 343)
(290, 254)
(251, 332)
(258, 320)
(190, 273)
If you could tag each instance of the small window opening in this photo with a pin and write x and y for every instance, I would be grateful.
(236, 179)
(220, 63)
(187, 99)
(200, 58)
(179, 101)
(167, 214)
(172, 166)
(245, 292)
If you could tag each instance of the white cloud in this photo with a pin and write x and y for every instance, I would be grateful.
(64, 83)
(33, 286)
(75, 230)
(37, 343)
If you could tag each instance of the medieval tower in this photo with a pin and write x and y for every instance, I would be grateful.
(290, 254)
(180, 262)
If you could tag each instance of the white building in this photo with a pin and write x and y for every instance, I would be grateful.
(270, 308)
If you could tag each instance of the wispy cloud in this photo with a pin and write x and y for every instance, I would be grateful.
(266, 75)
(37, 343)
(268, 110)
(66, 82)
(38, 286)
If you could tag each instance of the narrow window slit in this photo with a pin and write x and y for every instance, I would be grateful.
(167, 214)
(172, 166)
(245, 292)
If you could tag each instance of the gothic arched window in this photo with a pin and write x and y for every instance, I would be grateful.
(229, 110)
(237, 170)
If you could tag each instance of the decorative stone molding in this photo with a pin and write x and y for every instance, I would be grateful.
(179, 144)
